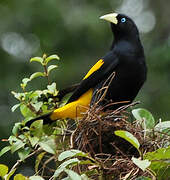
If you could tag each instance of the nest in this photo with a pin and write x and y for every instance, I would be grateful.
(95, 135)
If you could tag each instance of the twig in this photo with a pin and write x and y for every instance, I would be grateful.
(105, 88)
(15, 165)
(46, 74)
(91, 148)
(20, 161)
(118, 149)
(100, 136)
(126, 106)
(114, 103)
(45, 163)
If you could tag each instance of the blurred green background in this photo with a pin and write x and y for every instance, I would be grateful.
(72, 29)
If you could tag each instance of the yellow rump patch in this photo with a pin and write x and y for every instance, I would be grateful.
(94, 68)
(74, 109)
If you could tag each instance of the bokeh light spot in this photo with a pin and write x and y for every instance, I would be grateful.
(18, 45)
(137, 10)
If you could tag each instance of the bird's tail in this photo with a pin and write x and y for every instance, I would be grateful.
(45, 117)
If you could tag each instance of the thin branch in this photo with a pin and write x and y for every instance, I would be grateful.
(20, 161)
(46, 74)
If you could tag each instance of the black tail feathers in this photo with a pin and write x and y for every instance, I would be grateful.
(45, 117)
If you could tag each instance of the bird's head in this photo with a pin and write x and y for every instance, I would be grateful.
(122, 26)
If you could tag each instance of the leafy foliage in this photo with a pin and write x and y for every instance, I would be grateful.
(50, 144)
(145, 117)
(128, 137)
(142, 164)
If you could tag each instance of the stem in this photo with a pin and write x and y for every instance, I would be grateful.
(15, 165)
(46, 74)
(20, 161)
(33, 109)
(102, 176)
(45, 163)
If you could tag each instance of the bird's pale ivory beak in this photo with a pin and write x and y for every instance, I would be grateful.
(110, 17)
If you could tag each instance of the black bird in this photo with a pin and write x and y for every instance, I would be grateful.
(125, 61)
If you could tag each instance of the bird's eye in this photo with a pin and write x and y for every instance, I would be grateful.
(123, 20)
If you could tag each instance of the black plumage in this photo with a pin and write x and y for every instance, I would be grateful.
(126, 58)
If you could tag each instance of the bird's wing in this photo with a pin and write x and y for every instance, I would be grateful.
(100, 71)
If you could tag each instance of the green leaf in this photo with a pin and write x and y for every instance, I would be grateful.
(37, 59)
(69, 162)
(24, 84)
(26, 112)
(37, 106)
(4, 150)
(19, 177)
(91, 172)
(18, 96)
(49, 129)
(51, 67)
(36, 178)
(36, 128)
(85, 162)
(38, 160)
(37, 93)
(143, 178)
(17, 145)
(21, 137)
(52, 87)
(128, 137)
(24, 153)
(33, 140)
(15, 107)
(16, 128)
(25, 81)
(45, 91)
(84, 177)
(33, 95)
(48, 59)
(71, 153)
(66, 178)
(28, 95)
(48, 146)
(162, 126)
(3, 170)
(161, 169)
(36, 74)
(62, 167)
(24, 121)
(12, 139)
(144, 117)
(159, 154)
(44, 109)
(73, 175)
(142, 164)
(58, 172)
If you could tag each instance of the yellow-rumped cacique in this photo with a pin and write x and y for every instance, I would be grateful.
(125, 59)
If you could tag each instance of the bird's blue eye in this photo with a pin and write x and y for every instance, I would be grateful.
(123, 20)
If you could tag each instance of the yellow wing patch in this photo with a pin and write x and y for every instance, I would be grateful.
(94, 68)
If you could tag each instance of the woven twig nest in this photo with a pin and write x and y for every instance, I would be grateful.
(95, 135)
